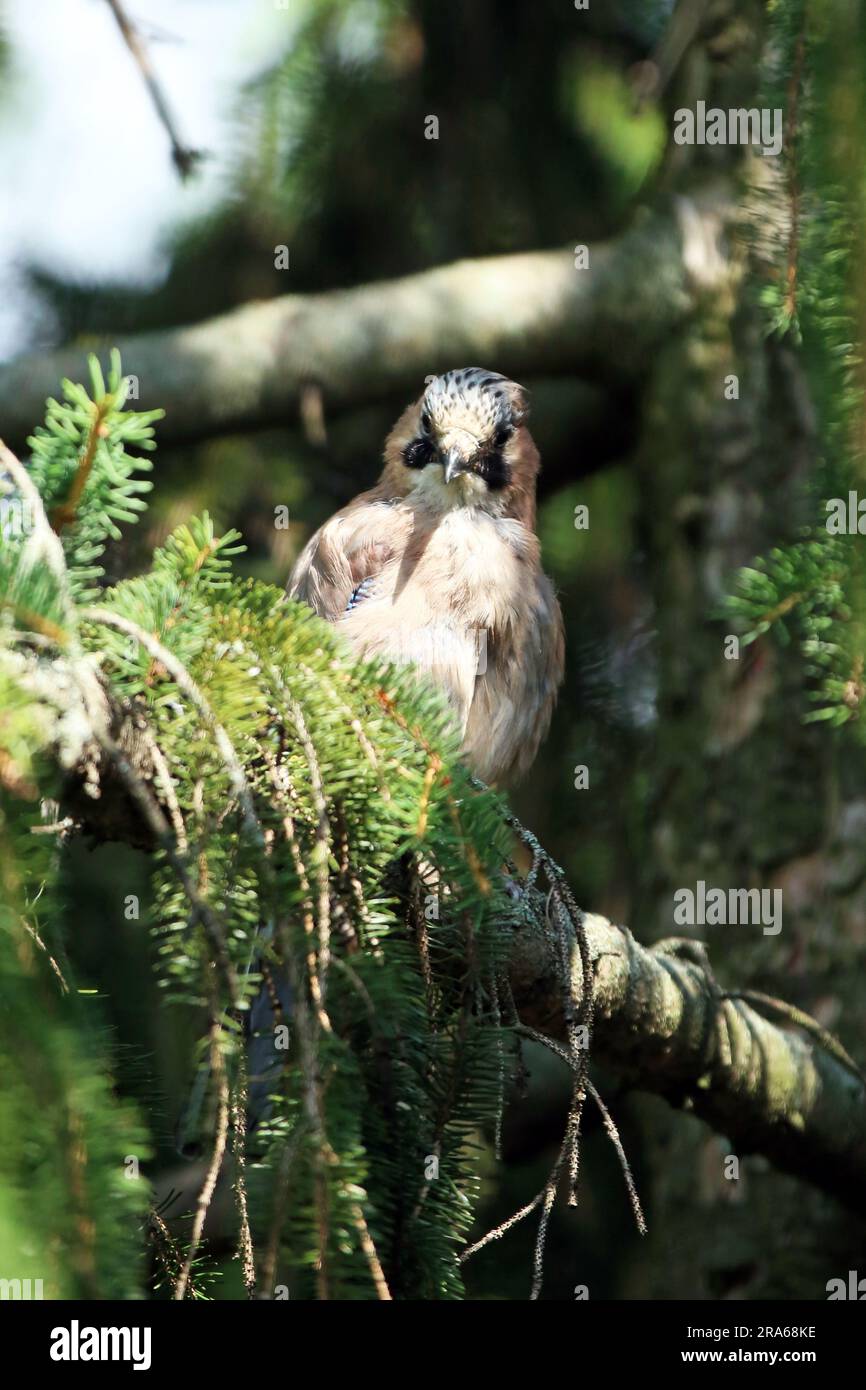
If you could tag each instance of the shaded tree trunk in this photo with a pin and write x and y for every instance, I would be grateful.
(745, 795)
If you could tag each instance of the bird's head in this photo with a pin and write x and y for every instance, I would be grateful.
(464, 443)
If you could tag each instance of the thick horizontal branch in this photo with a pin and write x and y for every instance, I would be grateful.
(658, 1016)
(524, 314)
(660, 1021)
(665, 1027)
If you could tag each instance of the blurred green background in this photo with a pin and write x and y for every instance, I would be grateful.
(545, 141)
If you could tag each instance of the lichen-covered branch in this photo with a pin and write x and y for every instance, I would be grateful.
(665, 1026)
(536, 312)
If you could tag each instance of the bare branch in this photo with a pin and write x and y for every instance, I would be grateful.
(183, 157)
(536, 312)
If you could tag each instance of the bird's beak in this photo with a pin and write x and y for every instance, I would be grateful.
(454, 463)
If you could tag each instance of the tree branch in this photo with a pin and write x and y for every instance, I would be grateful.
(524, 314)
(183, 157)
(660, 1019)
(660, 1022)
(664, 1026)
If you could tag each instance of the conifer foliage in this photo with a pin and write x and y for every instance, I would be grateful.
(312, 827)
(810, 591)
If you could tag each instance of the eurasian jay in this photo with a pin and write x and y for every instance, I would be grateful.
(438, 565)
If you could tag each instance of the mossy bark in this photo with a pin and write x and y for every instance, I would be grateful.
(745, 794)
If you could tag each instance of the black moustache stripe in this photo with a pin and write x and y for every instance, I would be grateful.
(419, 453)
(490, 466)
(494, 470)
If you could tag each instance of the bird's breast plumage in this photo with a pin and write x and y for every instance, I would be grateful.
(459, 595)
(459, 568)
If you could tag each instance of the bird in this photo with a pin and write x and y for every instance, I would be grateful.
(438, 566)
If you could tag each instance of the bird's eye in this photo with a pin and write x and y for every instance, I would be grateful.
(426, 423)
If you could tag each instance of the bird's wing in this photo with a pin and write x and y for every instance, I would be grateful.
(547, 666)
(338, 566)
(515, 695)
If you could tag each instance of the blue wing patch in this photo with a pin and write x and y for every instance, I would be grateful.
(359, 593)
